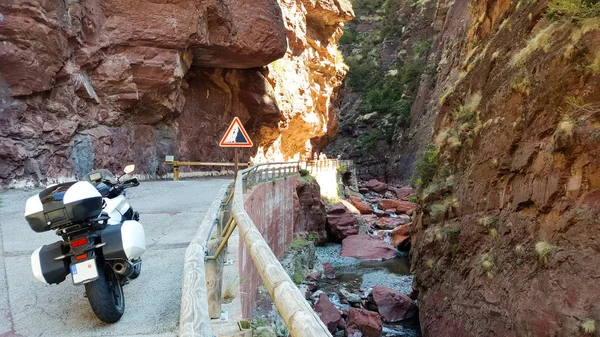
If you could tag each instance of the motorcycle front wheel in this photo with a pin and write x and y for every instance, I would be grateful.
(106, 295)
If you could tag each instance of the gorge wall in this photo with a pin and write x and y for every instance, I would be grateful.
(504, 104)
(98, 84)
(507, 242)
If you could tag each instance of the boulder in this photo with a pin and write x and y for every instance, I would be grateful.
(350, 207)
(403, 230)
(404, 192)
(400, 205)
(363, 323)
(363, 190)
(329, 271)
(401, 236)
(379, 213)
(341, 223)
(364, 247)
(376, 186)
(330, 316)
(388, 223)
(405, 207)
(392, 305)
(362, 206)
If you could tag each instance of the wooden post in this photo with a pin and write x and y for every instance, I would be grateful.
(235, 162)
(214, 279)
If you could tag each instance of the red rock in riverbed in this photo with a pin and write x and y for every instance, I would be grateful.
(362, 206)
(376, 186)
(367, 323)
(392, 305)
(388, 223)
(364, 247)
(400, 205)
(330, 316)
(329, 271)
(401, 237)
(404, 192)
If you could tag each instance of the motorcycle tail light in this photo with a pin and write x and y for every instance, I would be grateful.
(79, 242)
(81, 257)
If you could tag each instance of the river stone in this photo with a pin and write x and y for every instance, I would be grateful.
(364, 247)
(350, 297)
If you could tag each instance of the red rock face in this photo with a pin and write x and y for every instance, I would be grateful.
(367, 323)
(365, 247)
(98, 84)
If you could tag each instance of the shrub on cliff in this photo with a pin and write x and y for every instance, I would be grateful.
(426, 167)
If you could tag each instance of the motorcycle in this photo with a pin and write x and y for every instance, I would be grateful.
(102, 240)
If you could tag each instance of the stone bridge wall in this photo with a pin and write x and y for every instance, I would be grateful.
(270, 205)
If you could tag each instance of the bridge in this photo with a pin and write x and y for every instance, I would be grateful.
(181, 219)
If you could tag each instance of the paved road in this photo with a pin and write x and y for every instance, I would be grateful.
(170, 213)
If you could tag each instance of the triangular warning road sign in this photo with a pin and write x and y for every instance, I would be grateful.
(236, 136)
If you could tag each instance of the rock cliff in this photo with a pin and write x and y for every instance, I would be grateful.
(91, 83)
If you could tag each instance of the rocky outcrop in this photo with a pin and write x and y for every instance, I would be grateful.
(97, 84)
(311, 216)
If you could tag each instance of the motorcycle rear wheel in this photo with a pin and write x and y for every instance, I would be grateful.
(106, 295)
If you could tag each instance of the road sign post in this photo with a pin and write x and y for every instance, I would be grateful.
(236, 137)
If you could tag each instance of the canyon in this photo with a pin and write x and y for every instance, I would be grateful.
(489, 108)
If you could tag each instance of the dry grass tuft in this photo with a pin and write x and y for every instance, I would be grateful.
(429, 263)
(544, 250)
(494, 233)
(541, 40)
(588, 326)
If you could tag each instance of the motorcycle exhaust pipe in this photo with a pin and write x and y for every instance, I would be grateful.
(123, 268)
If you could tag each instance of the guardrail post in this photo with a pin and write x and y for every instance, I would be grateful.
(175, 171)
(214, 279)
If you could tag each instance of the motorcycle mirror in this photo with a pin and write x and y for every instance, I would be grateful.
(129, 168)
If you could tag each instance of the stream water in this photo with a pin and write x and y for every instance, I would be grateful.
(358, 276)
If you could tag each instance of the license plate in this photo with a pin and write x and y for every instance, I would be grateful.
(84, 272)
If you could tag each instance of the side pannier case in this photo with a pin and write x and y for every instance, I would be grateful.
(125, 241)
(44, 266)
(63, 204)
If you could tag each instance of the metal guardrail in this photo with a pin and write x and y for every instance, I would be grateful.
(176, 164)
